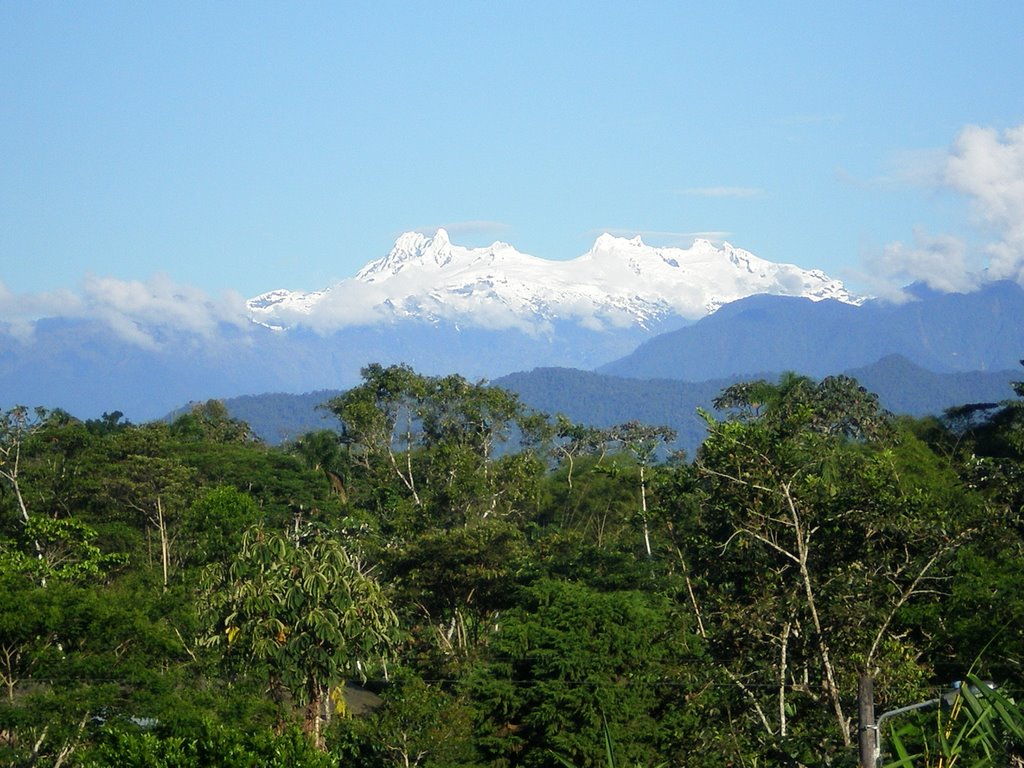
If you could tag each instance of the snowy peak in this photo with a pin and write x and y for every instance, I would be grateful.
(607, 242)
(414, 252)
(721, 274)
(411, 248)
(618, 283)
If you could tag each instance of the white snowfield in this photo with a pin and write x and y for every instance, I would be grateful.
(619, 283)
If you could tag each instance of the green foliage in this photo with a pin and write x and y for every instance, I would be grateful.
(307, 613)
(445, 571)
(285, 490)
(211, 422)
(213, 525)
(835, 406)
(566, 658)
(541, 591)
(57, 550)
(71, 653)
(818, 528)
(609, 753)
(419, 723)
(107, 424)
(427, 444)
(205, 746)
(982, 727)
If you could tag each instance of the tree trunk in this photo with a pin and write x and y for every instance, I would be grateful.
(165, 555)
(803, 544)
(868, 730)
(643, 511)
(8, 675)
(11, 476)
(783, 669)
(313, 716)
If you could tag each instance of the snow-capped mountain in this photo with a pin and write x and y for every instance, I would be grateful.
(620, 283)
(623, 307)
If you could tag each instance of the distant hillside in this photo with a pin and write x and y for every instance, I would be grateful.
(905, 388)
(946, 333)
(602, 400)
(87, 367)
(279, 417)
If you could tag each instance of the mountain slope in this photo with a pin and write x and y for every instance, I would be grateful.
(602, 400)
(905, 388)
(951, 332)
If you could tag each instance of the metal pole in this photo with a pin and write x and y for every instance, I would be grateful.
(899, 711)
(866, 693)
(868, 736)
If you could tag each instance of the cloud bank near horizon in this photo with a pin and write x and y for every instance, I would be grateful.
(135, 310)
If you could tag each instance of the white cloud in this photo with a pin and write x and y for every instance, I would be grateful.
(909, 167)
(19, 312)
(33, 306)
(137, 311)
(941, 262)
(350, 302)
(987, 168)
(355, 302)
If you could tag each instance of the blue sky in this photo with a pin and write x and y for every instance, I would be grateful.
(251, 146)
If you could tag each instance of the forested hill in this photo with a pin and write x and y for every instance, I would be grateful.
(603, 400)
(278, 417)
(905, 388)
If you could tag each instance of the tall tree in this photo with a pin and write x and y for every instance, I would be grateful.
(816, 529)
(642, 442)
(17, 425)
(211, 421)
(307, 613)
(154, 490)
(437, 438)
(378, 418)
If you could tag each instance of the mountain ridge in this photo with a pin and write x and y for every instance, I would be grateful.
(950, 332)
(618, 283)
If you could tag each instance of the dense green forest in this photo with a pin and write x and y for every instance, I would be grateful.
(448, 578)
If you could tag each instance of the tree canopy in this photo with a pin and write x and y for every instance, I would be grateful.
(449, 578)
